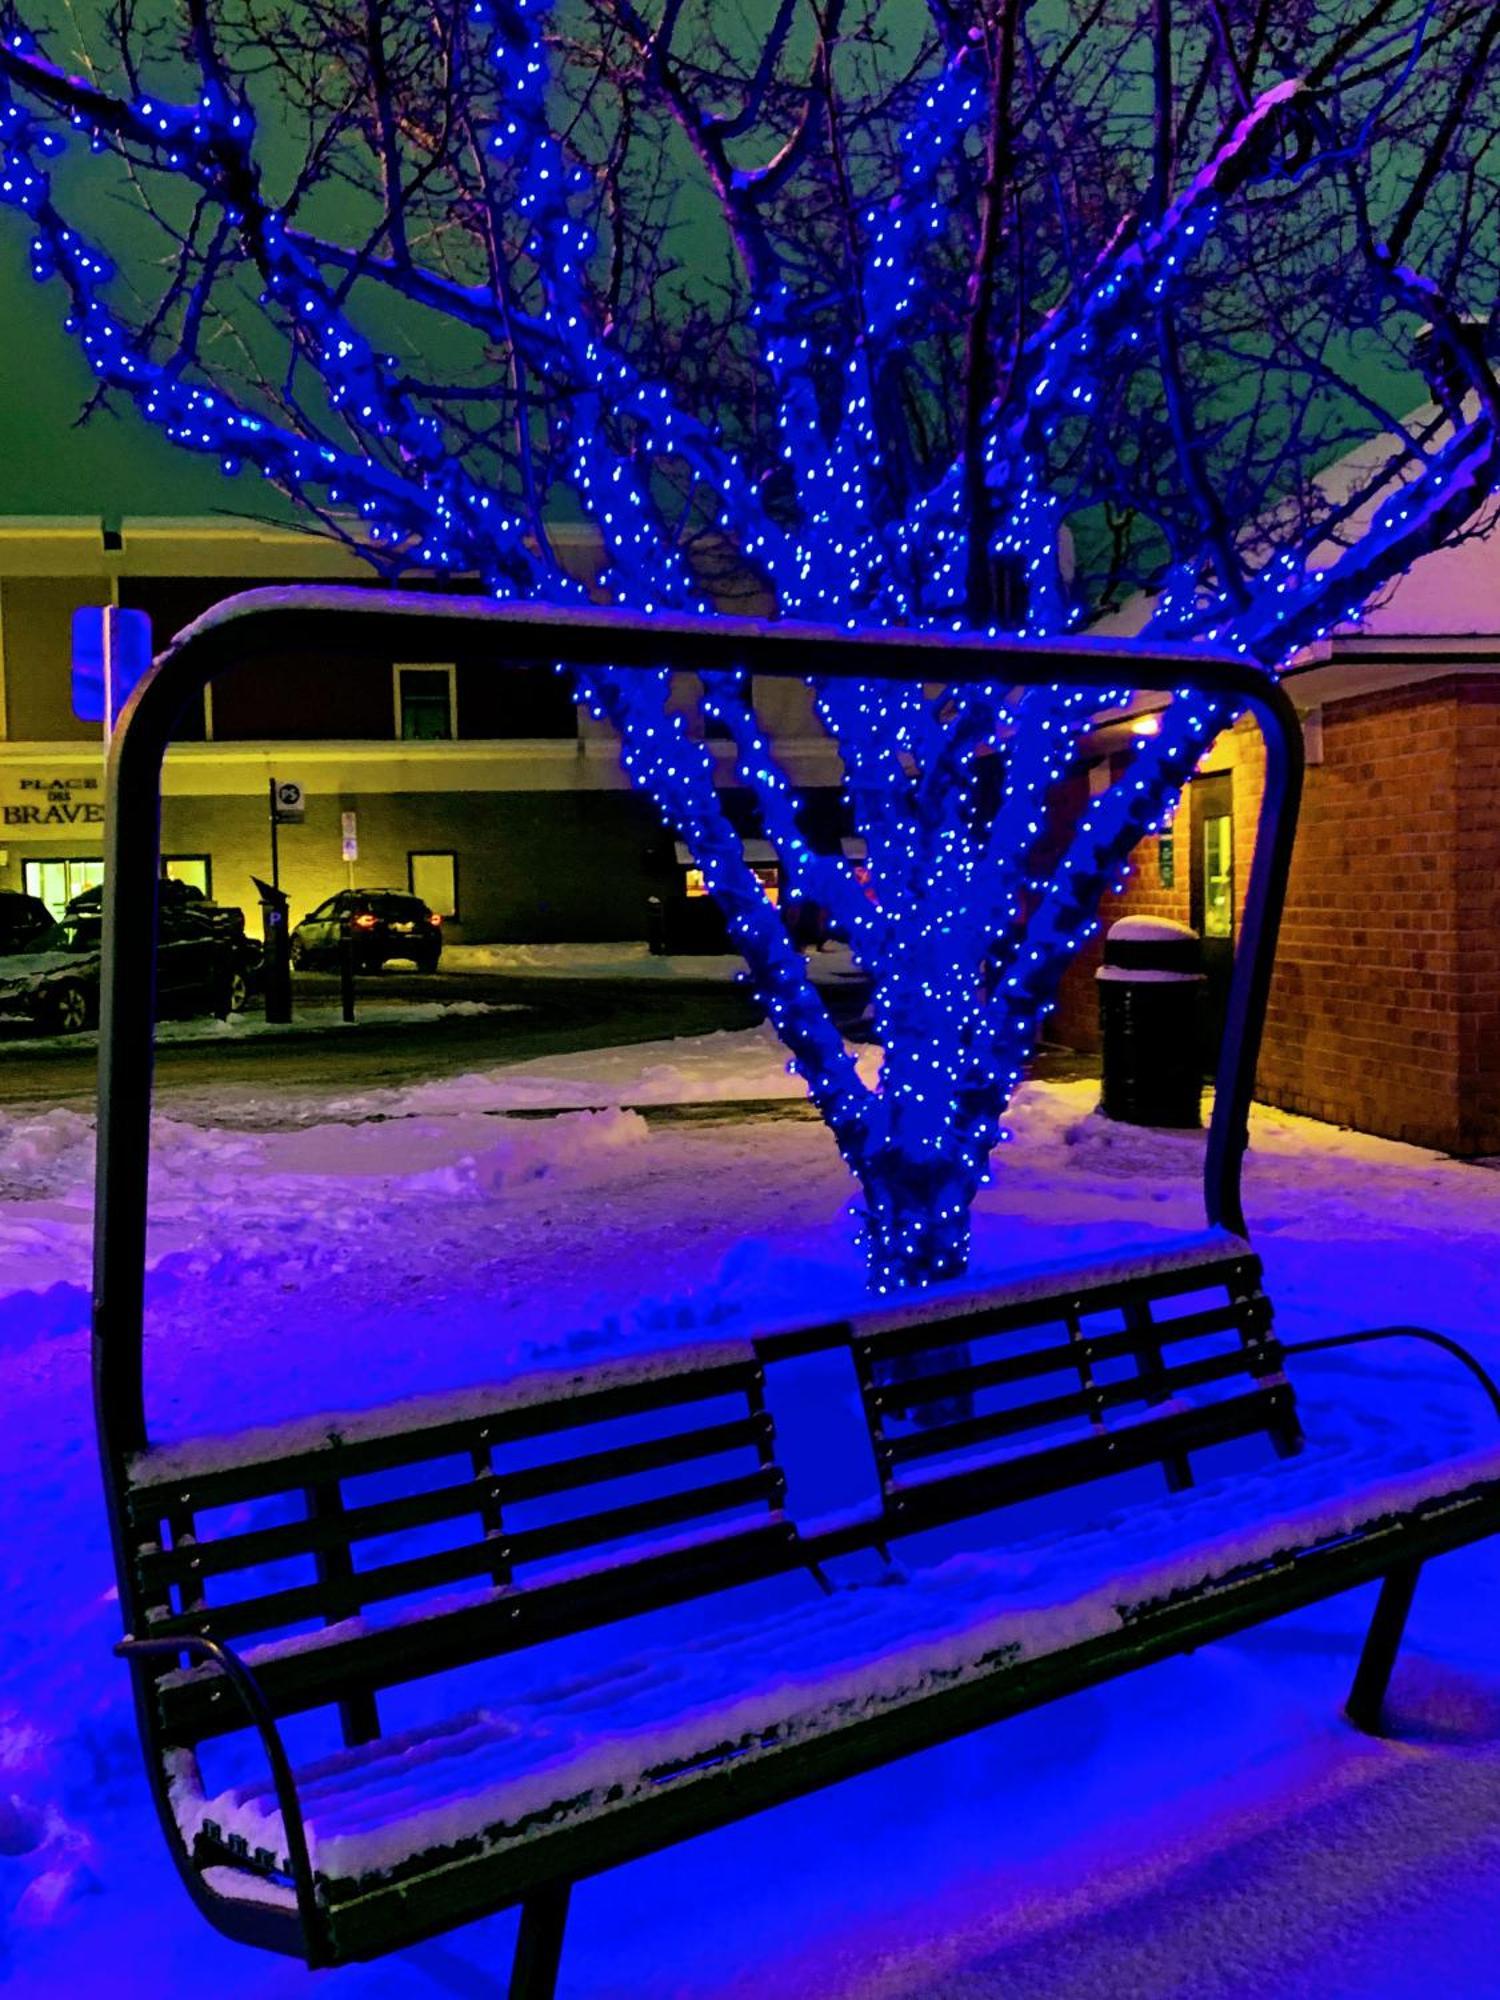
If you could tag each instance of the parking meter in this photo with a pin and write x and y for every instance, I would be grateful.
(276, 971)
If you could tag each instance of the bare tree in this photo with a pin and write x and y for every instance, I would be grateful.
(994, 313)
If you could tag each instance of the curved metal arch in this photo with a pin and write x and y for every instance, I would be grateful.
(379, 624)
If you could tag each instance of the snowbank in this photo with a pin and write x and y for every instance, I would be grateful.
(729, 1065)
(629, 960)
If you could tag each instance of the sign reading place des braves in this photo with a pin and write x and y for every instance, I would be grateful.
(43, 805)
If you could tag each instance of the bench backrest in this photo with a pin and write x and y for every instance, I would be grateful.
(564, 1503)
(548, 1508)
(1017, 1397)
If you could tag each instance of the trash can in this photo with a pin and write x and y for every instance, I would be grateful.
(1150, 1000)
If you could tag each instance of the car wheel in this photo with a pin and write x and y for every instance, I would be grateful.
(428, 962)
(237, 991)
(65, 1008)
(298, 954)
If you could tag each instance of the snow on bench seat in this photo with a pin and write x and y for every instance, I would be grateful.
(563, 1745)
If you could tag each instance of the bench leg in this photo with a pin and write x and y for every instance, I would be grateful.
(533, 1975)
(1382, 1643)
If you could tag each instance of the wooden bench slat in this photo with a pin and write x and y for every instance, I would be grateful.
(937, 1496)
(150, 1494)
(585, 1531)
(383, 1581)
(1240, 1275)
(198, 1705)
(566, 1475)
(1083, 1402)
(1249, 1317)
(226, 1554)
(417, 1510)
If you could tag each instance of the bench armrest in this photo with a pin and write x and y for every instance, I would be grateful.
(1445, 1341)
(263, 1721)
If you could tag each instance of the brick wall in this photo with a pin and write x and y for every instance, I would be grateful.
(1385, 1011)
(1075, 1020)
(1366, 1018)
(1478, 884)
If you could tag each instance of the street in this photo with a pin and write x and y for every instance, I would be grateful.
(528, 1016)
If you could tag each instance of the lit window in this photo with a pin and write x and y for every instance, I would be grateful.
(56, 883)
(424, 704)
(194, 869)
(434, 877)
(1218, 876)
(767, 873)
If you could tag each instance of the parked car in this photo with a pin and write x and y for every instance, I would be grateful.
(205, 964)
(221, 918)
(23, 919)
(383, 924)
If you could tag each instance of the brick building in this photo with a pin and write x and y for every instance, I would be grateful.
(1385, 1012)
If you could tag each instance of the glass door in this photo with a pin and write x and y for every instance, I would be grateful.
(56, 883)
(1211, 895)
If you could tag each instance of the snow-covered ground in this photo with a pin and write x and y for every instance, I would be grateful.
(1209, 1828)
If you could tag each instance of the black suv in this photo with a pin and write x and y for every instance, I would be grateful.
(382, 924)
(23, 919)
(204, 963)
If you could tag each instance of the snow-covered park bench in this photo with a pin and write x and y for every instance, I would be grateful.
(406, 1669)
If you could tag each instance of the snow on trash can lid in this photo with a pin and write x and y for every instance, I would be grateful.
(1150, 949)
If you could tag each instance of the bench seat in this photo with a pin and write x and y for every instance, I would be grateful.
(567, 1741)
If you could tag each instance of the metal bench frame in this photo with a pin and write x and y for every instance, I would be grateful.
(377, 625)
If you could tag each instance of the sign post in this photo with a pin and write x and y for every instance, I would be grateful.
(288, 807)
(351, 843)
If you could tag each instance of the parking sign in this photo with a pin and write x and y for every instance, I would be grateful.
(289, 803)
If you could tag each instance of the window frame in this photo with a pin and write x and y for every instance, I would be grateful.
(447, 668)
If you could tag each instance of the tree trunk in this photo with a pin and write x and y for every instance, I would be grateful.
(916, 1221)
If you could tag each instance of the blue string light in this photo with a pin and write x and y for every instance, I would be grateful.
(958, 910)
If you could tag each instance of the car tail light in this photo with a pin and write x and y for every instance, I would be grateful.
(365, 921)
(433, 917)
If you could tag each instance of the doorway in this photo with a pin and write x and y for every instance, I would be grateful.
(1211, 897)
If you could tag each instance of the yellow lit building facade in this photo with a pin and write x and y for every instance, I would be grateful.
(491, 794)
